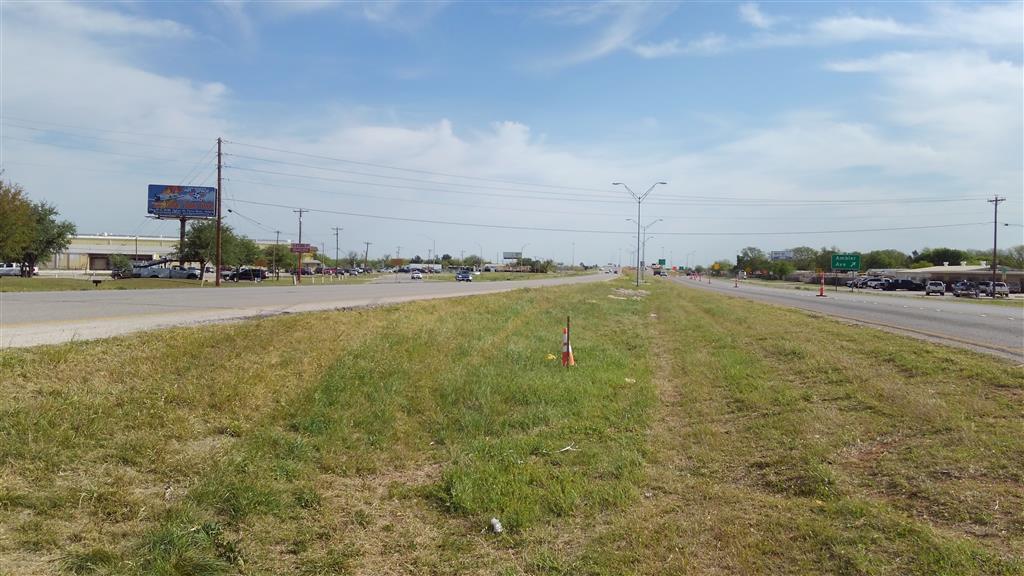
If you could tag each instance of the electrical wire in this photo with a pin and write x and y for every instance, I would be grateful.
(147, 134)
(143, 144)
(614, 232)
(94, 151)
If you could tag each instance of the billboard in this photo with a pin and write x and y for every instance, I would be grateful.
(776, 255)
(511, 255)
(166, 201)
(301, 248)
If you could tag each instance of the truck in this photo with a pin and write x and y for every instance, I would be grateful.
(993, 289)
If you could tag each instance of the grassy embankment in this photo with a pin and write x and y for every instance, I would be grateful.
(698, 434)
(47, 284)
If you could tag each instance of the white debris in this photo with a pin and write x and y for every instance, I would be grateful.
(496, 526)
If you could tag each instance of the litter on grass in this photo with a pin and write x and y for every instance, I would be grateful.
(496, 526)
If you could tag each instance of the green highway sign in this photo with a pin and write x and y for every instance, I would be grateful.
(846, 261)
(661, 261)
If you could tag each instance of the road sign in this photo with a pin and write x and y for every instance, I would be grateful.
(716, 265)
(661, 261)
(846, 261)
(301, 248)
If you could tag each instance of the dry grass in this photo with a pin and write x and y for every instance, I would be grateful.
(709, 435)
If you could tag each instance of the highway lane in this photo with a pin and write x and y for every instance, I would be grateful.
(983, 327)
(32, 318)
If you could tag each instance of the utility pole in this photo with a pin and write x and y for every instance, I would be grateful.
(219, 189)
(298, 256)
(572, 262)
(277, 241)
(366, 255)
(398, 259)
(639, 199)
(336, 231)
(995, 234)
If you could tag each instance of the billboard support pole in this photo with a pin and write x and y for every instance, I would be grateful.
(181, 244)
(217, 270)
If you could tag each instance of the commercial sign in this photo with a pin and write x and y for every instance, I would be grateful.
(776, 255)
(511, 255)
(166, 201)
(846, 261)
(301, 248)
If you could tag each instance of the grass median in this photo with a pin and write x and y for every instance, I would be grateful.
(698, 434)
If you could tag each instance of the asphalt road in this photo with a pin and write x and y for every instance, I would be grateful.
(986, 328)
(32, 318)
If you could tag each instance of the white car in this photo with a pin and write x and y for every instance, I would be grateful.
(14, 269)
(934, 287)
(417, 275)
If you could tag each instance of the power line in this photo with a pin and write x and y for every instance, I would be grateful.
(73, 135)
(414, 170)
(401, 178)
(148, 134)
(93, 150)
(614, 232)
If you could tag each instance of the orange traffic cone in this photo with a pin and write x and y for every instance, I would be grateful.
(567, 359)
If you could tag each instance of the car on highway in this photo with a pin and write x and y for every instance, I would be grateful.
(463, 276)
(417, 275)
(934, 287)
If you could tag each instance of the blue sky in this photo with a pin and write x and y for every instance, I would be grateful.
(769, 120)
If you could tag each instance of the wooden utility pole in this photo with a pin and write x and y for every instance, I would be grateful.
(366, 255)
(995, 234)
(298, 256)
(219, 182)
(337, 230)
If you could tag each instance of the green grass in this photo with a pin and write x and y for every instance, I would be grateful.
(698, 434)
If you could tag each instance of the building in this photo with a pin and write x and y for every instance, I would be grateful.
(92, 252)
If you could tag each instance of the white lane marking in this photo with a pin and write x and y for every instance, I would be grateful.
(984, 315)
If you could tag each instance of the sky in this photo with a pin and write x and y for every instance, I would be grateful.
(485, 127)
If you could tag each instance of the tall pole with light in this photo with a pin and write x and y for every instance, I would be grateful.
(643, 252)
(639, 200)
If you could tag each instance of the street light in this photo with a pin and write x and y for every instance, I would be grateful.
(433, 243)
(639, 199)
(688, 254)
(643, 255)
(521, 251)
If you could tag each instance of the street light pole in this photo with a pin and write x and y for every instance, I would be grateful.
(639, 200)
(644, 253)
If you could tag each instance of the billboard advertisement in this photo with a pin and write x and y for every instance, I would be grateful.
(166, 201)
(776, 255)
(511, 255)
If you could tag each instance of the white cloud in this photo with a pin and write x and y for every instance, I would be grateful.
(91, 20)
(855, 29)
(751, 13)
(709, 44)
(627, 23)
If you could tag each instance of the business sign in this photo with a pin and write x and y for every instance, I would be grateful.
(301, 248)
(165, 201)
(511, 255)
(846, 261)
(776, 255)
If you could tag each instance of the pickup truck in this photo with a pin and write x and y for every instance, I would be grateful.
(993, 289)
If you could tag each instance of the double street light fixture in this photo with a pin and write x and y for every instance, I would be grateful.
(643, 251)
(639, 200)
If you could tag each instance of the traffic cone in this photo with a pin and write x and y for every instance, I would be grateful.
(567, 359)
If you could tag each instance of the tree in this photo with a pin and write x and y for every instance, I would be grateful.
(780, 269)
(120, 266)
(1013, 257)
(16, 222)
(278, 255)
(940, 255)
(824, 258)
(48, 236)
(804, 257)
(201, 245)
(353, 258)
(752, 259)
(884, 259)
(724, 267)
(417, 259)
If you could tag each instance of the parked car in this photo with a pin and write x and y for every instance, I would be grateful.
(934, 287)
(463, 276)
(249, 274)
(417, 275)
(10, 269)
(903, 284)
(964, 288)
